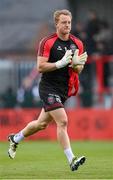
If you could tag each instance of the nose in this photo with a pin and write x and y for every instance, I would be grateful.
(67, 25)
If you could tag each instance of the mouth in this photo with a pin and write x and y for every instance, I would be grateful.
(67, 29)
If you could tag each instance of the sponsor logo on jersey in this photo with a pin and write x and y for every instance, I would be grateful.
(59, 48)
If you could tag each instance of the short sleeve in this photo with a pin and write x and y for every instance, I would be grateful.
(44, 49)
(81, 47)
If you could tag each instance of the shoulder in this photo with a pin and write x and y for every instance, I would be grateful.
(48, 39)
(46, 44)
(75, 39)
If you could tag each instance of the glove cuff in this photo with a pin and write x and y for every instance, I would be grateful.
(59, 64)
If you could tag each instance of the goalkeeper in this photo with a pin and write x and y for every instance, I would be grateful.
(60, 59)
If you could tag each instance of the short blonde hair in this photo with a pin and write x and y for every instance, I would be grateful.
(59, 12)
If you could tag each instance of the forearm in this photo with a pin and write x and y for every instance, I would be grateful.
(46, 67)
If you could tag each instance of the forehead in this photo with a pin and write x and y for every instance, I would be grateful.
(63, 17)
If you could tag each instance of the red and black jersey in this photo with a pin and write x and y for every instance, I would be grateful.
(64, 79)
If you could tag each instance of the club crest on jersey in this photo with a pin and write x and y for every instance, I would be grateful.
(73, 47)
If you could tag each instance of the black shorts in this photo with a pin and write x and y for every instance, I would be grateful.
(51, 98)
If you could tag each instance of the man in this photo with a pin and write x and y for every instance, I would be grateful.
(60, 59)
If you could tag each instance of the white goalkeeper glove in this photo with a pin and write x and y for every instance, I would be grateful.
(65, 60)
(79, 60)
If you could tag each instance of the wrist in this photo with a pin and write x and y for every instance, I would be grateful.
(78, 68)
(59, 64)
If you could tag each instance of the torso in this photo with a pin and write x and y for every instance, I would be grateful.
(59, 78)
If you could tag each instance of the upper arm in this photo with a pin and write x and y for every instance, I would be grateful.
(40, 61)
(80, 46)
(43, 53)
(44, 48)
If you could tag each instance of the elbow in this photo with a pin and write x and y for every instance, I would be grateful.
(40, 69)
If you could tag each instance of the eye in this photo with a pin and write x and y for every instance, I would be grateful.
(64, 22)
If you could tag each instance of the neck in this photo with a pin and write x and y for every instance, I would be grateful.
(63, 37)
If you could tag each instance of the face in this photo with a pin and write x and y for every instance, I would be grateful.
(63, 25)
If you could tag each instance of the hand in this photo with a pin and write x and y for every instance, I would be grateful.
(79, 60)
(65, 60)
